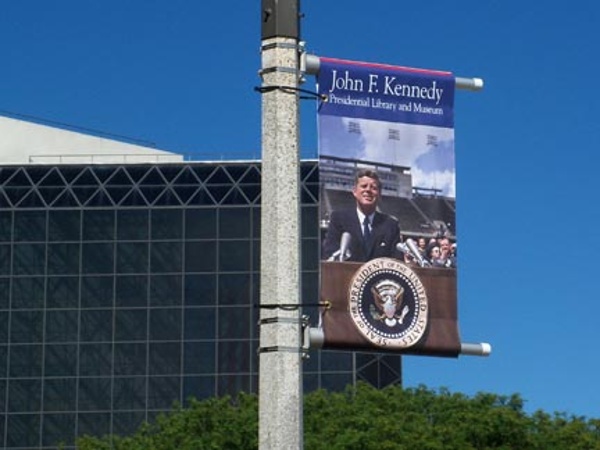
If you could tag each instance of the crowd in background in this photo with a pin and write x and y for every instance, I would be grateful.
(436, 251)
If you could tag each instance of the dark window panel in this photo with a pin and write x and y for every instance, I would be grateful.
(95, 359)
(97, 291)
(27, 292)
(119, 178)
(310, 254)
(238, 172)
(166, 290)
(310, 382)
(234, 256)
(254, 346)
(132, 257)
(219, 175)
(4, 293)
(130, 359)
(234, 356)
(103, 173)
(24, 395)
(335, 361)
(165, 257)
(199, 387)
(309, 216)
(60, 394)
(310, 291)
(85, 178)
(232, 384)
(94, 394)
(58, 429)
(130, 393)
(152, 178)
(200, 256)
(25, 361)
(30, 226)
(98, 225)
(29, 259)
(97, 258)
(199, 358)
(255, 263)
(254, 327)
(61, 326)
(5, 259)
(201, 223)
(234, 223)
(60, 360)
(256, 221)
(251, 191)
(5, 226)
(23, 431)
(127, 423)
(3, 384)
(234, 323)
(138, 173)
(69, 173)
(50, 194)
(64, 225)
(118, 193)
(62, 292)
(15, 195)
(132, 224)
(130, 324)
(165, 358)
(309, 172)
(26, 326)
(63, 259)
(96, 325)
(167, 198)
(163, 392)
(199, 323)
(166, 223)
(165, 324)
(234, 289)
(200, 290)
(3, 367)
(203, 171)
(336, 381)
(93, 424)
(131, 291)
(185, 193)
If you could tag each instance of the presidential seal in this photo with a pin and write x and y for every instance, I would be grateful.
(388, 303)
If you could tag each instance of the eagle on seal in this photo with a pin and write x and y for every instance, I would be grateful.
(388, 297)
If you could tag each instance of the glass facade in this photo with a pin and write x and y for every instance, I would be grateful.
(125, 288)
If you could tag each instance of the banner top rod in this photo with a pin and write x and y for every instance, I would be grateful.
(312, 64)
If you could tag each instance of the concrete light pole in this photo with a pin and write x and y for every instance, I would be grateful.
(280, 369)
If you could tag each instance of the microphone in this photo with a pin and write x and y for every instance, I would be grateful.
(416, 254)
(345, 245)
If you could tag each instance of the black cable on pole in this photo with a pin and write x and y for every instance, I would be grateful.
(311, 95)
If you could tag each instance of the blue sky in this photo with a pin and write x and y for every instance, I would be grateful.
(181, 74)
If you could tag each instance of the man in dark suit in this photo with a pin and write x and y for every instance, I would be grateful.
(372, 234)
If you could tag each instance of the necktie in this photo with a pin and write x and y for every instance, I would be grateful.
(366, 233)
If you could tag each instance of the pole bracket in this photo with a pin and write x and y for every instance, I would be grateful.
(281, 348)
(270, 320)
(287, 45)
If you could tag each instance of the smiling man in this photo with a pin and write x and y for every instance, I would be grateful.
(372, 234)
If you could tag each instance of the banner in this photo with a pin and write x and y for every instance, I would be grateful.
(387, 171)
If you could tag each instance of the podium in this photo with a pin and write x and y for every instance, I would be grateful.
(440, 338)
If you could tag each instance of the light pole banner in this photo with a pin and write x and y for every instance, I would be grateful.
(387, 171)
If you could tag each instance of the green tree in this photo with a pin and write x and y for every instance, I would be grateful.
(365, 418)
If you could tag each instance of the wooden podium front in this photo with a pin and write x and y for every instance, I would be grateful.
(441, 337)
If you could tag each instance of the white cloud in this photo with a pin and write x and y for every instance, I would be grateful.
(444, 180)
